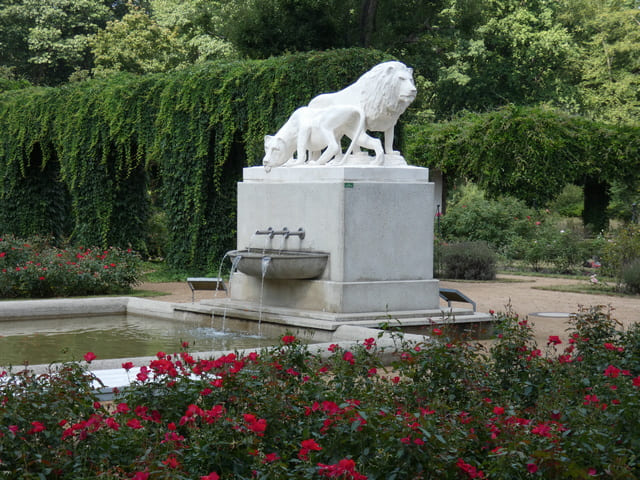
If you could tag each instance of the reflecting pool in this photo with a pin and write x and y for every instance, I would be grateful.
(111, 336)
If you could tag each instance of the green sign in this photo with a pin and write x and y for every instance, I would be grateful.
(348, 185)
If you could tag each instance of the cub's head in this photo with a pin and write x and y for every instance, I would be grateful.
(274, 152)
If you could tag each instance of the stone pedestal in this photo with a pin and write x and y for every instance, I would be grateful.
(375, 222)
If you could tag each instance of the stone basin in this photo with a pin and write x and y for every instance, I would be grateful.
(282, 264)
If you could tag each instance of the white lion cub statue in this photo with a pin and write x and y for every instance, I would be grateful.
(315, 134)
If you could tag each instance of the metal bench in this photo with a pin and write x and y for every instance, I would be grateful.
(453, 295)
(205, 283)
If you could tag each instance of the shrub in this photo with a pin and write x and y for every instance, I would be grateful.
(540, 238)
(468, 261)
(548, 245)
(447, 409)
(631, 276)
(471, 217)
(622, 248)
(34, 269)
(570, 201)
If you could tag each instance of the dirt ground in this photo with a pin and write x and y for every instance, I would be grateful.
(507, 289)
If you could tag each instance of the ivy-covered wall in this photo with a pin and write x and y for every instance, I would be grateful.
(83, 161)
(531, 153)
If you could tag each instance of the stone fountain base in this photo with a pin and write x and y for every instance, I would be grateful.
(328, 320)
(376, 223)
(336, 297)
(253, 318)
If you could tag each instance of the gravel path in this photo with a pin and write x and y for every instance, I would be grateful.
(526, 300)
(516, 290)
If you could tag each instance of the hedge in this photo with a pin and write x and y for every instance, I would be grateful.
(83, 161)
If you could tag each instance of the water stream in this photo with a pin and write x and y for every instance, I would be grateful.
(265, 266)
(251, 242)
(213, 315)
(220, 269)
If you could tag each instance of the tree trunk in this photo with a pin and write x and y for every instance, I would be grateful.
(596, 200)
(367, 21)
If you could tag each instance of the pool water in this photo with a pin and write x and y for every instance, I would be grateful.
(112, 336)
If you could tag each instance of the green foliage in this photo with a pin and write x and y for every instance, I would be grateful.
(263, 28)
(510, 52)
(157, 232)
(113, 148)
(136, 44)
(197, 26)
(608, 38)
(36, 201)
(529, 152)
(38, 403)
(549, 245)
(470, 217)
(631, 276)
(468, 261)
(578, 55)
(169, 35)
(539, 238)
(513, 356)
(9, 82)
(569, 202)
(157, 271)
(625, 198)
(622, 248)
(46, 42)
(31, 268)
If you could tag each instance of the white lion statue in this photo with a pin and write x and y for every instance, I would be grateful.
(316, 133)
(384, 93)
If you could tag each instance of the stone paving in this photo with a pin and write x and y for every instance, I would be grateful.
(516, 290)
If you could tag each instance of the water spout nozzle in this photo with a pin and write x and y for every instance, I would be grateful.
(269, 231)
(285, 232)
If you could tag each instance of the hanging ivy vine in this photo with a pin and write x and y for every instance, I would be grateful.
(82, 157)
(528, 152)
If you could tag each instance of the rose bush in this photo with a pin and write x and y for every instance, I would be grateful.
(446, 409)
(31, 268)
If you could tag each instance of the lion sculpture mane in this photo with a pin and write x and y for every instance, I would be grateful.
(383, 93)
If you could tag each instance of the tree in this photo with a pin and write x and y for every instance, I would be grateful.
(263, 28)
(610, 62)
(14, 30)
(168, 34)
(532, 153)
(514, 52)
(197, 25)
(135, 44)
(46, 41)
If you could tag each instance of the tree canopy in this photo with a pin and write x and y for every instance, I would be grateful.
(582, 56)
(47, 41)
(561, 77)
